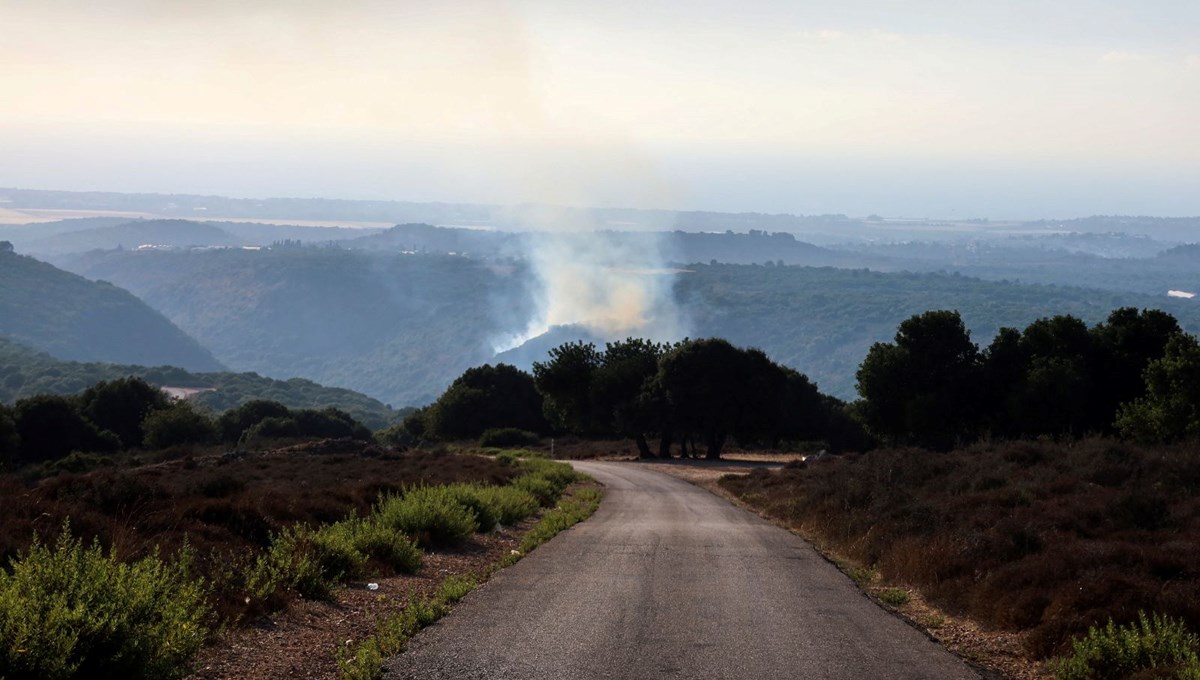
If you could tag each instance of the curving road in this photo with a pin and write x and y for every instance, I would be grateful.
(669, 581)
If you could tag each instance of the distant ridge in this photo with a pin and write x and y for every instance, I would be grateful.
(73, 318)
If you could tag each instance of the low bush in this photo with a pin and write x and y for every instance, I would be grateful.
(430, 515)
(337, 551)
(558, 474)
(388, 546)
(540, 488)
(455, 588)
(508, 436)
(1155, 642)
(77, 462)
(894, 596)
(290, 564)
(73, 612)
(469, 496)
(510, 504)
(178, 424)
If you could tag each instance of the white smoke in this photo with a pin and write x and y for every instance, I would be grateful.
(614, 285)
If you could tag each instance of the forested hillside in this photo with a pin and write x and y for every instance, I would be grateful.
(25, 373)
(397, 327)
(74, 318)
(822, 321)
(401, 327)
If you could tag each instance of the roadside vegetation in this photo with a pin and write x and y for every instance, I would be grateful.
(126, 571)
(1044, 484)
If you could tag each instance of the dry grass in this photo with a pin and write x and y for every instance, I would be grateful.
(225, 508)
(1039, 538)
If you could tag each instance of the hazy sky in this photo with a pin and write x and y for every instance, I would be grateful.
(915, 108)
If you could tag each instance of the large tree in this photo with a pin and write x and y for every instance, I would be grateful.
(50, 427)
(923, 387)
(482, 398)
(1171, 408)
(617, 385)
(715, 390)
(565, 383)
(121, 405)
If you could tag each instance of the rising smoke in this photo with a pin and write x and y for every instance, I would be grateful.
(612, 285)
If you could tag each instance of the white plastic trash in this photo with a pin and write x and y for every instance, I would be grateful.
(372, 586)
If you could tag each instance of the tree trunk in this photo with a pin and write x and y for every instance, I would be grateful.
(715, 443)
(643, 447)
(664, 445)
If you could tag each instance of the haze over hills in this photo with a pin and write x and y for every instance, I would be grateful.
(397, 313)
(401, 327)
(74, 318)
(393, 326)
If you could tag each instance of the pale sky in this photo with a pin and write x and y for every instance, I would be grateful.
(916, 108)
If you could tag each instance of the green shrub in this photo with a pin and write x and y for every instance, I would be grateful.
(507, 436)
(559, 474)
(178, 424)
(894, 596)
(1155, 642)
(430, 515)
(511, 504)
(365, 661)
(387, 545)
(77, 462)
(337, 552)
(455, 588)
(539, 487)
(469, 495)
(562, 517)
(74, 612)
(508, 457)
(291, 563)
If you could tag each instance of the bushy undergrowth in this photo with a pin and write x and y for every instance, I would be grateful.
(431, 515)
(507, 436)
(1041, 537)
(230, 508)
(509, 503)
(1151, 643)
(365, 660)
(70, 611)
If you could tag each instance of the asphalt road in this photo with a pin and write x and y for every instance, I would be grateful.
(669, 581)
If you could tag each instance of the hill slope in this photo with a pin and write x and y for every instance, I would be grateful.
(401, 327)
(74, 318)
(131, 235)
(396, 327)
(25, 372)
(822, 320)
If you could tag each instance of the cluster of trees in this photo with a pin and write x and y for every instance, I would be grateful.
(1131, 374)
(1136, 374)
(823, 321)
(129, 413)
(482, 398)
(696, 392)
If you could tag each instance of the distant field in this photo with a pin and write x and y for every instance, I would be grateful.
(38, 215)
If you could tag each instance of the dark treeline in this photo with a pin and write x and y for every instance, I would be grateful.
(1135, 375)
(1131, 375)
(694, 394)
(128, 413)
